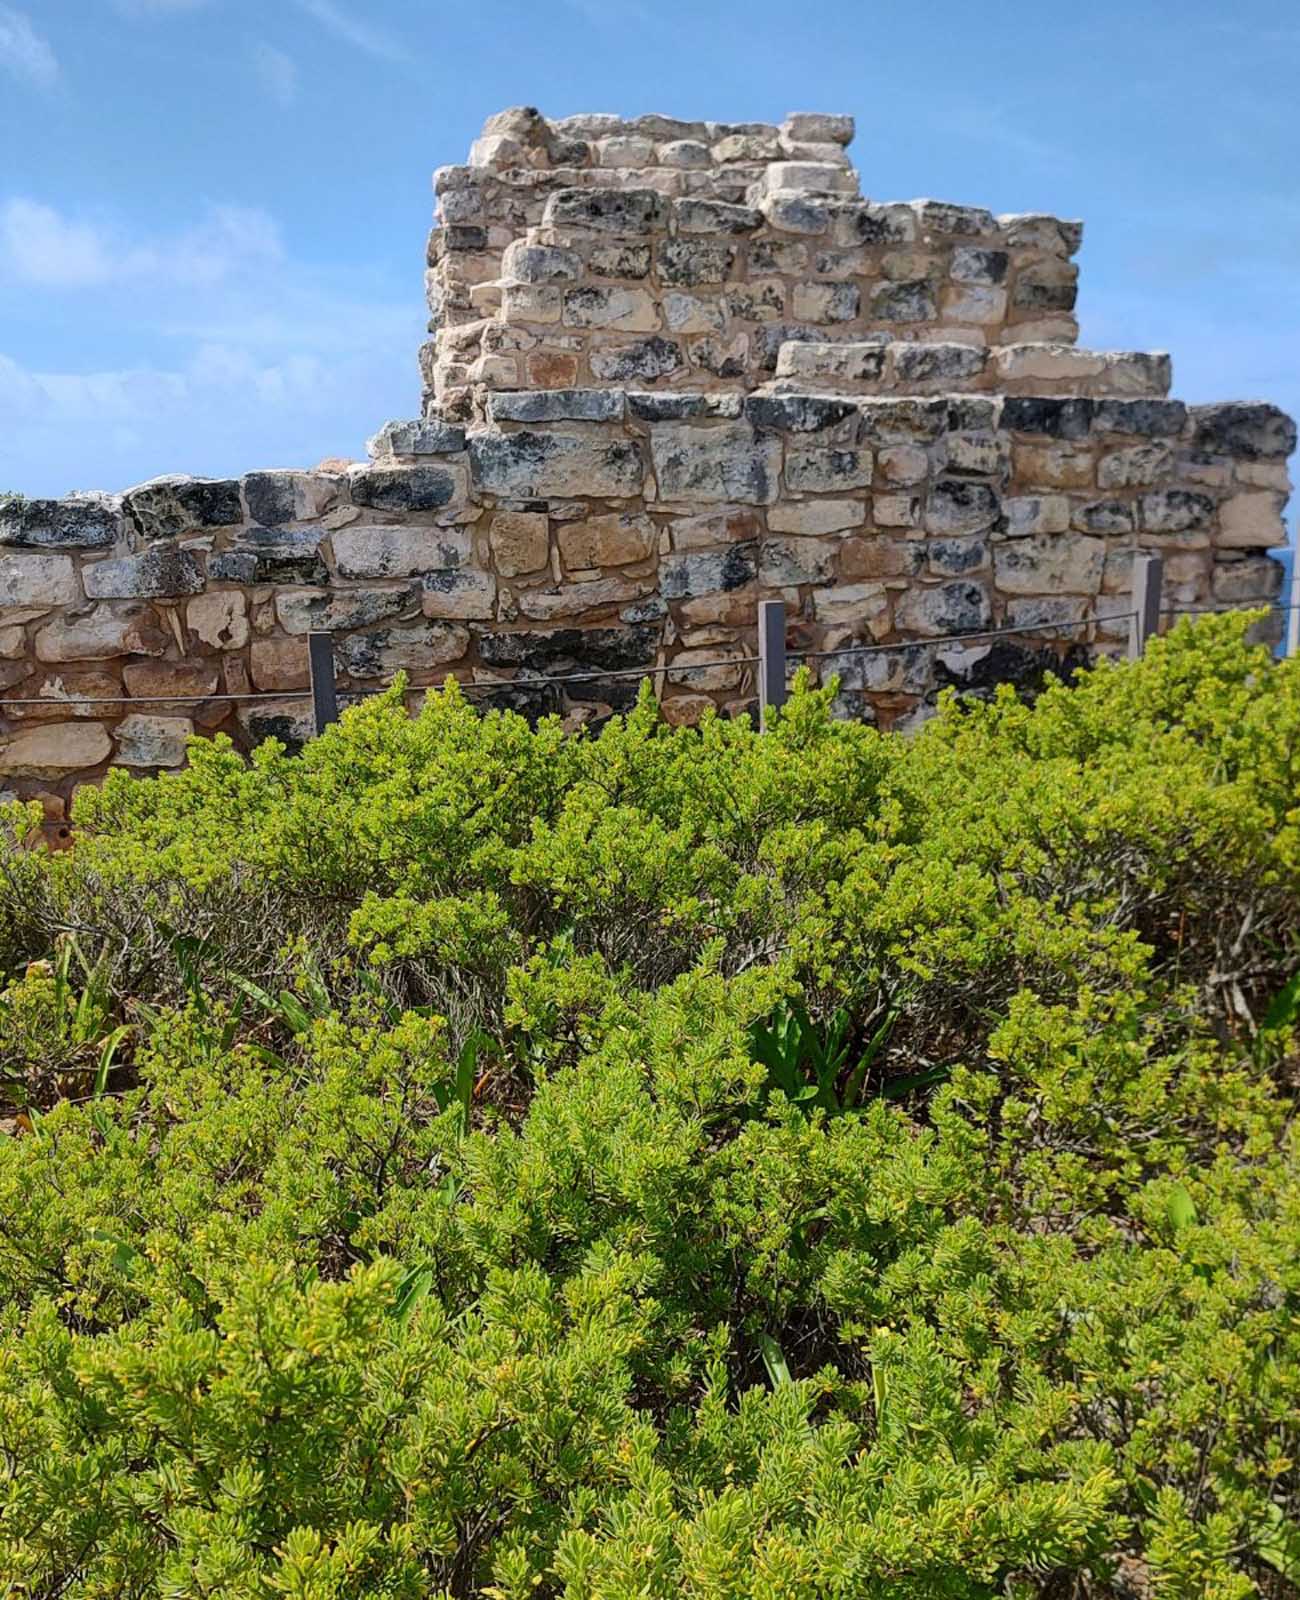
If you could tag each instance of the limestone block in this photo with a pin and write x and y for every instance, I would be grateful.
(903, 302)
(622, 258)
(629, 211)
(540, 263)
(150, 741)
(1175, 511)
(271, 555)
(551, 369)
(1039, 513)
(727, 358)
(531, 302)
(821, 470)
(406, 488)
(938, 364)
(1058, 418)
(279, 664)
(1046, 611)
(957, 505)
(692, 262)
(106, 631)
(220, 619)
(529, 465)
(758, 301)
(38, 580)
(876, 556)
(818, 127)
(962, 606)
(85, 694)
(416, 649)
(1151, 419)
(798, 413)
(274, 498)
(578, 599)
(625, 310)
(685, 710)
(896, 510)
(80, 522)
(289, 721)
(714, 217)
(1015, 362)
(1252, 520)
(786, 563)
(13, 643)
(1104, 516)
(363, 551)
(1139, 464)
(978, 455)
(686, 576)
(728, 525)
(814, 177)
(874, 225)
(684, 153)
(625, 150)
(152, 679)
(826, 302)
(608, 541)
(1054, 466)
(903, 464)
(726, 461)
(650, 407)
(637, 361)
(689, 313)
(520, 541)
(54, 750)
(973, 264)
(165, 508)
(556, 405)
(162, 571)
(1252, 432)
(1046, 286)
(953, 558)
(974, 302)
(306, 610)
(816, 516)
(459, 592)
(1050, 565)
(854, 605)
(961, 222)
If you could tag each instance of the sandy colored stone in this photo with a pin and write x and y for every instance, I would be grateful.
(188, 678)
(106, 631)
(28, 579)
(609, 541)
(816, 516)
(151, 741)
(54, 750)
(89, 695)
(279, 664)
(1252, 521)
(219, 619)
(520, 541)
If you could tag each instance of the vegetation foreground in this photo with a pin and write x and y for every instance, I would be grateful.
(469, 1160)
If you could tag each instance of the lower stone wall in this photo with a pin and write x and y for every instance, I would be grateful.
(585, 530)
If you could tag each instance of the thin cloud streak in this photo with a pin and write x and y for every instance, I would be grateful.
(277, 73)
(24, 52)
(352, 30)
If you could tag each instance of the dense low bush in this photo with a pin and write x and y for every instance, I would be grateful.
(469, 1160)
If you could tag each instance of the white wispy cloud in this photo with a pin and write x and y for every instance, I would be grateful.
(157, 8)
(277, 73)
(352, 29)
(41, 246)
(24, 52)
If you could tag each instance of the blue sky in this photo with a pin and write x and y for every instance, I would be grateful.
(212, 212)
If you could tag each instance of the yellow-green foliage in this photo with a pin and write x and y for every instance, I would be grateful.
(670, 1163)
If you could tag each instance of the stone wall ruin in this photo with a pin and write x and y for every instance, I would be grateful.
(675, 368)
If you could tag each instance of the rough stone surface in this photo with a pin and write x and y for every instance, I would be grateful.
(149, 741)
(54, 751)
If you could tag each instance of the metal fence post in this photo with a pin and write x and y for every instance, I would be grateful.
(1148, 576)
(324, 698)
(1293, 615)
(771, 659)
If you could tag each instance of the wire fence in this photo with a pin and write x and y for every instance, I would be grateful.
(773, 658)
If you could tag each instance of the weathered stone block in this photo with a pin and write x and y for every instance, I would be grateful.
(156, 573)
(727, 461)
(220, 619)
(405, 488)
(165, 508)
(786, 563)
(816, 516)
(274, 498)
(596, 306)
(1253, 432)
(1152, 419)
(1137, 465)
(1050, 565)
(398, 552)
(81, 522)
(818, 471)
(1026, 514)
(151, 741)
(152, 679)
(714, 217)
(1065, 418)
(565, 650)
(555, 405)
(459, 592)
(972, 264)
(638, 360)
(520, 541)
(958, 505)
(106, 631)
(863, 607)
(580, 599)
(416, 649)
(1175, 511)
(935, 364)
(540, 263)
(689, 263)
(530, 465)
(619, 259)
(606, 210)
(306, 610)
(705, 572)
(1252, 520)
(904, 302)
(38, 580)
(690, 313)
(826, 302)
(609, 541)
(55, 750)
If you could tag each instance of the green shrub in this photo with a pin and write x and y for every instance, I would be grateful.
(669, 1163)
